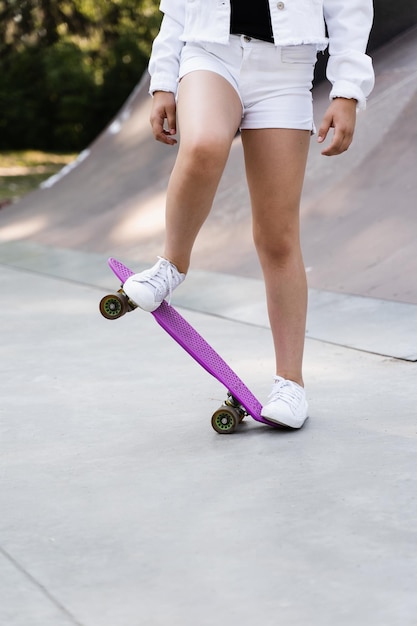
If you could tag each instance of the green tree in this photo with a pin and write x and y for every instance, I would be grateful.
(66, 67)
(40, 22)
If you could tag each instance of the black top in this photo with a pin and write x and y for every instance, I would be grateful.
(251, 18)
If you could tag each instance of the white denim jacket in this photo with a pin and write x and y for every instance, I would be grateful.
(294, 22)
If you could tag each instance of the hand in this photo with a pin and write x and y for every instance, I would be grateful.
(341, 115)
(164, 108)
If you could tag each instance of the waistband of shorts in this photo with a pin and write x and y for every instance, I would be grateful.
(246, 39)
(249, 39)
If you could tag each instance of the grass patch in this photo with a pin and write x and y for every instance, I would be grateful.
(23, 171)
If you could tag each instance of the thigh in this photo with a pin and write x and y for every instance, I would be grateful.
(275, 161)
(209, 109)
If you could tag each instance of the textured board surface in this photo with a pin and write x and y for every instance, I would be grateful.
(198, 348)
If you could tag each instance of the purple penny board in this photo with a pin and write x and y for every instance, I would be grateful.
(198, 348)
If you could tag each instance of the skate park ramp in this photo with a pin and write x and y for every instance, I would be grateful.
(359, 223)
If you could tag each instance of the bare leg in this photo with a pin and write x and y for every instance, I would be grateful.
(275, 165)
(209, 113)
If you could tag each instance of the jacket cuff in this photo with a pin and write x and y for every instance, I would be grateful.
(351, 75)
(161, 82)
(345, 89)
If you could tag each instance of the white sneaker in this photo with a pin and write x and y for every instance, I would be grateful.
(287, 404)
(149, 288)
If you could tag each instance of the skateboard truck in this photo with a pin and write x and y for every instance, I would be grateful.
(115, 305)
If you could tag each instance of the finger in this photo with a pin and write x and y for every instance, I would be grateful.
(157, 122)
(168, 138)
(171, 120)
(158, 129)
(340, 142)
(335, 145)
(324, 129)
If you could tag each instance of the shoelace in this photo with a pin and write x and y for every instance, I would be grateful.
(288, 392)
(160, 278)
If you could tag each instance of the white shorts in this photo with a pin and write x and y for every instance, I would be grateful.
(273, 83)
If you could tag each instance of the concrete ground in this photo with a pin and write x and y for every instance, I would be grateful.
(122, 507)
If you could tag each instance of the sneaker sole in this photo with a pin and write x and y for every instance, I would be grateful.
(294, 425)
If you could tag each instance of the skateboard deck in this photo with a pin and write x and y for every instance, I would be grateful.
(240, 401)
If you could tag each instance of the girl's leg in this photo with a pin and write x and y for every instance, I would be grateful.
(275, 164)
(209, 113)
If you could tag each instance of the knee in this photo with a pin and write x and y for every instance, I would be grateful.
(276, 246)
(205, 154)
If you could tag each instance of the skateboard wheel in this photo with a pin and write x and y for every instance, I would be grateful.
(225, 420)
(113, 306)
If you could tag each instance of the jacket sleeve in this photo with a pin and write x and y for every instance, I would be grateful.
(349, 68)
(166, 49)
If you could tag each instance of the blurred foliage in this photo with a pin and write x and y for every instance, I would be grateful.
(66, 67)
